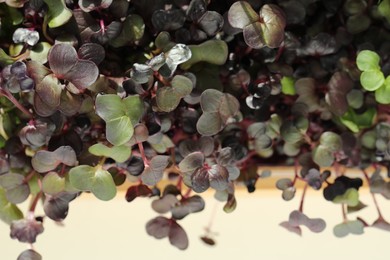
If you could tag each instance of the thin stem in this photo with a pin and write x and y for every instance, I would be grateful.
(303, 198)
(44, 31)
(142, 151)
(373, 195)
(34, 203)
(296, 176)
(29, 176)
(179, 183)
(187, 194)
(212, 218)
(2, 131)
(10, 97)
(345, 218)
(102, 160)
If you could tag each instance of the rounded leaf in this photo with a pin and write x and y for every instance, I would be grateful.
(52, 183)
(368, 60)
(372, 79)
(241, 14)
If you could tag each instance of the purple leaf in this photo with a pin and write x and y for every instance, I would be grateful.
(66, 65)
(56, 207)
(295, 229)
(164, 204)
(138, 191)
(93, 52)
(29, 254)
(187, 206)
(177, 236)
(200, 180)
(219, 177)
(154, 172)
(158, 227)
(339, 86)
(26, 231)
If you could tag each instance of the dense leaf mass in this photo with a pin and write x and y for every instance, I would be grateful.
(176, 97)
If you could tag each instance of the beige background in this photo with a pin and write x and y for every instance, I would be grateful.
(116, 230)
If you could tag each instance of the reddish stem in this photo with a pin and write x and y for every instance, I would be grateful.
(34, 203)
(302, 198)
(373, 195)
(142, 152)
(296, 177)
(102, 26)
(10, 97)
(212, 218)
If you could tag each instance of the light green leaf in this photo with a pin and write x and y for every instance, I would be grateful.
(94, 179)
(5, 59)
(182, 85)
(8, 211)
(368, 60)
(163, 145)
(384, 9)
(372, 80)
(119, 131)
(331, 140)
(118, 153)
(132, 30)
(52, 183)
(350, 197)
(58, 14)
(382, 94)
(109, 106)
(288, 86)
(133, 108)
(211, 51)
(167, 99)
(323, 156)
(40, 51)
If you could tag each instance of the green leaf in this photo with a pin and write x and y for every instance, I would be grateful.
(331, 140)
(94, 179)
(350, 197)
(372, 80)
(349, 227)
(109, 106)
(119, 131)
(323, 156)
(52, 183)
(133, 108)
(167, 99)
(5, 59)
(356, 122)
(369, 139)
(288, 87)
(382, 94)
(8, 211)
(40, 51)
(163, 145)
(119, 114)
(132, 30)
(384, 9)
(58, 14)
(16, 190)
(211, 51)
(182, 85)
(209, 124)
(118, 153)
